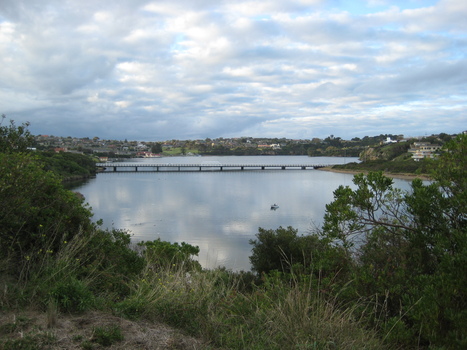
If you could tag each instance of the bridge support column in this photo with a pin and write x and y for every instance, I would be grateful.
(283, 168)
(115, 168)
(242, 167)
(262, 168)
(136, 168)
(303, 167)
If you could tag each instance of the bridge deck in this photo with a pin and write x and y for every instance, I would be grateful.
(155, 167)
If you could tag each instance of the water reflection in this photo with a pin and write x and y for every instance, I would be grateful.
(217, 211)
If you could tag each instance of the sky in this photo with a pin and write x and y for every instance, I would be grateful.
(194, 69)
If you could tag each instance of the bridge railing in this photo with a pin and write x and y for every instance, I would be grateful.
(219, 166)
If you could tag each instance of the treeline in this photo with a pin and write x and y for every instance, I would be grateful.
(328, 147)
(68, 166)
(387, 269)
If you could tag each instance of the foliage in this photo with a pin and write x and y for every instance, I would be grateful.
(112, 253)
(68, 165)
(284, 250)
(162, 253)
(411, 248)
(32, 339)
(276, 315)
(106, 336)
(156, 148)
(38, 214)
(14, 138)
(29, 342)
(72, 295)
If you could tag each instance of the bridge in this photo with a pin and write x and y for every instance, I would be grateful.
(207, 166)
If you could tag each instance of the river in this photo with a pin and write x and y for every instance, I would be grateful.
(219, 211)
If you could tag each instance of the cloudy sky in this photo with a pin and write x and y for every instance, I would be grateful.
(192, 69)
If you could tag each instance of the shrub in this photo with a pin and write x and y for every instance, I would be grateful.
(72, 295)
(162, 254)
(106, 336)
(68, 165)
(284, 250)
(414, 251)
(38, 214)
(14, 138)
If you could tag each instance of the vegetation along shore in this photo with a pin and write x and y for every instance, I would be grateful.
(386, 270)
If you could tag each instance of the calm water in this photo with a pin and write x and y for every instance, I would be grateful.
(217, 211)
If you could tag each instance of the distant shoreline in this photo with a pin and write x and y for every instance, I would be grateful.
(403, 176)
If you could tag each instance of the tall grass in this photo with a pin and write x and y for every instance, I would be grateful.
(225, 309)
(217, 306)
(64, 277)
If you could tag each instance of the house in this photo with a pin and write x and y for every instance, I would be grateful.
(144, 154)
(421, 150)
(388, 140)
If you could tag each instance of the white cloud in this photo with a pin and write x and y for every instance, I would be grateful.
(179, 69)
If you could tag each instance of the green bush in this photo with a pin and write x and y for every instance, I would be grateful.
(162, 254)
(106, 336)
(284, 250)
(72, 295)
(414, 251)
(14, 139)
(68, 165)
(38, 214)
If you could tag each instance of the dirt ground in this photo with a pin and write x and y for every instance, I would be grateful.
(78, 332)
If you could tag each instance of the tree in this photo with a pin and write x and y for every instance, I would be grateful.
(285, 251)
(411, 247)
(156, 148)
(13, 138)
(38, 215)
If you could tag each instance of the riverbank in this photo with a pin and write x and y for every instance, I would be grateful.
(403, 176)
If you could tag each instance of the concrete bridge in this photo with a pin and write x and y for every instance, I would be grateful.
(205, 166)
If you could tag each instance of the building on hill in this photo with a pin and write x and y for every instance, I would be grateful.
(389, 140)
(421, 150)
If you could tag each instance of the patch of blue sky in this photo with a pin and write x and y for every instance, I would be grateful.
(177, 46)
(262, 17)
(364, 7)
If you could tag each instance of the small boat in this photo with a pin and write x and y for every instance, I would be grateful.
(274, 206)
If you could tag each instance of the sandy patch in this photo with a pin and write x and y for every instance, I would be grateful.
(392, 175)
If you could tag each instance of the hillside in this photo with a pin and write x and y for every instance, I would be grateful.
(391, 158)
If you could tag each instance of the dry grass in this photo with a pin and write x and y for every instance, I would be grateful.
(75, 331)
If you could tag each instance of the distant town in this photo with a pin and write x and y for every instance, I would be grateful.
(330, 146)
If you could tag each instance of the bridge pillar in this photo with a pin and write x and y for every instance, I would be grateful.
(303, 167)
(262, 168)
(115, 168)
(136, 168)
(242, 167)
(199, 168)
(283, 168)
(221, 168)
